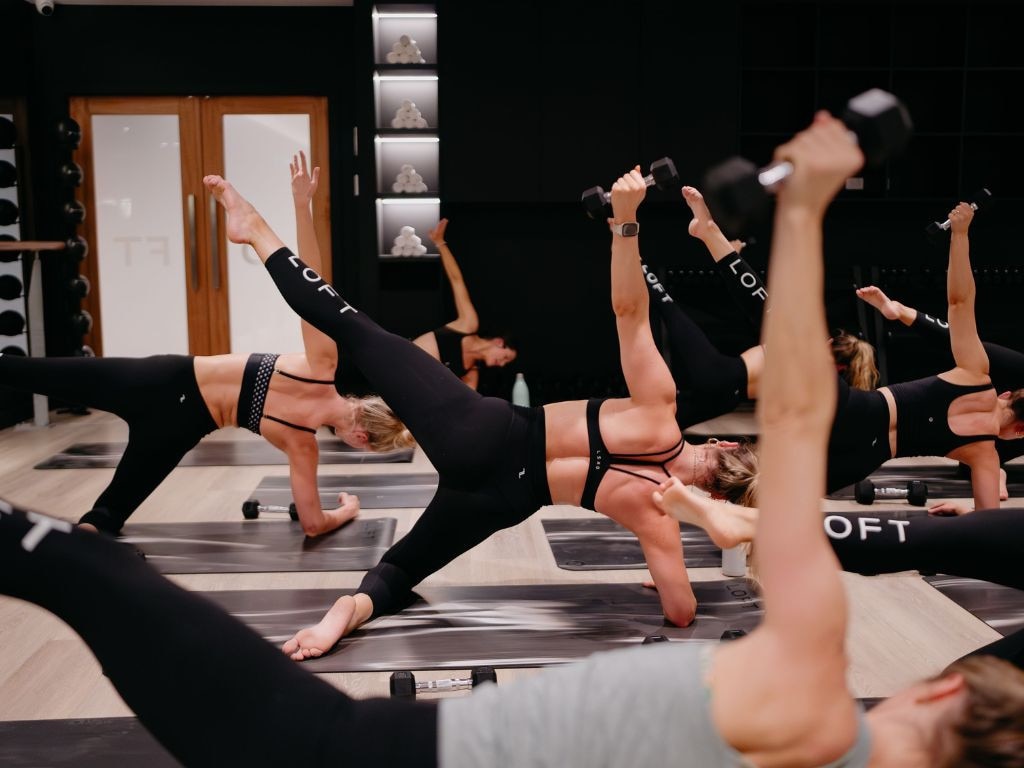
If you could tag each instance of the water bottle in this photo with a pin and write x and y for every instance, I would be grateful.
(520, 392)
(734, 561)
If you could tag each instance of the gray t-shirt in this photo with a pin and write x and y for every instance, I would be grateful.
(645, 706)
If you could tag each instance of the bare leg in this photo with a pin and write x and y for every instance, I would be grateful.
(704, 228)
(726, 524)
(890, 309)
(244, 223)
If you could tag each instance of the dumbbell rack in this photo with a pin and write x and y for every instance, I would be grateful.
(34, 314)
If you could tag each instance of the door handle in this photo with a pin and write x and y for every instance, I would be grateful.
(193, 256)
(214, 245)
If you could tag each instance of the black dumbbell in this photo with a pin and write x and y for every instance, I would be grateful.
(738, 192)
(251, 509)
(935, 231)
(404, 685)
(655, 639)
(733, 634)
(663, 175)
(915, 492)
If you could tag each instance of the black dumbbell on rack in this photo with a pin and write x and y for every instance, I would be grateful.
(663, 175)
(252, 508)
(738, 193)
(404, 686)
(914, 491)
(935, 232)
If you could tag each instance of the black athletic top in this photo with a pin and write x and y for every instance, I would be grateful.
(922, 424)
(253, 392)
(449, 349)
(601, 460)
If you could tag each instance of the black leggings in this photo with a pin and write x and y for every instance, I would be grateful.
(709, 383)
(489, 454)
(208, 688)
(157, 396)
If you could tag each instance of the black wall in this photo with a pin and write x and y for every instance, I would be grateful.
(540, 100)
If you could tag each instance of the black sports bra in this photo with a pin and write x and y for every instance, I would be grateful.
(253, 392)
(601, 461)
(922, 423)
(449, 349)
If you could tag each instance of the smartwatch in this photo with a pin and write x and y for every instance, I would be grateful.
(626, 229)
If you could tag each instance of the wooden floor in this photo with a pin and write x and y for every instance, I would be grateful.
(901, 629)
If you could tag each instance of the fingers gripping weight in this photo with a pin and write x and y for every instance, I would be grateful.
(663, 175)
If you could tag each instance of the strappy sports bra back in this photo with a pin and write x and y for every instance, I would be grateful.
(922, 420)
(253, 393)
(601, 460)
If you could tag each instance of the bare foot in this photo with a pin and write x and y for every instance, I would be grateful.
(726, 524)
(244, 225)
(703, 227)
(345, 615)
(89, 527)
(890, 309)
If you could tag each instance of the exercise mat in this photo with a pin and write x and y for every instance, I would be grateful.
(944, 481)
(503, 626)
(221, 453)
(385, 491)
(1002, 608)
(598, 543)
(260, 546)
(97, 742)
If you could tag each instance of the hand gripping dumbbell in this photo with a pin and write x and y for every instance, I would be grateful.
(663, 175)
(738, 192)
(935, 231)
(251, 509)
(404, 685)
(915, 492)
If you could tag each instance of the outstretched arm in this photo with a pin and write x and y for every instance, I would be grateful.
(647, 376)
(321, 351)
(968, 351)
(467, 321)
(801, 638)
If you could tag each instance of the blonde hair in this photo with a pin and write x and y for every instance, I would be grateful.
(735, 479)
(383, 429)
(992, 730)
(858, 358)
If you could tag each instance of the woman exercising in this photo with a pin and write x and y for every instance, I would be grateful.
(954, 414)
(1006, 366)
(711, 704)
(712, 383)
(498, 463)
(457, 344)
(172, 401)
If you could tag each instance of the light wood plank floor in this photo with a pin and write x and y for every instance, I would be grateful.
(901, 629)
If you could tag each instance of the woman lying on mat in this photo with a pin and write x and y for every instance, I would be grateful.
(955, 414)
(457, 344)
(172, 401)
(499, 463)
(238, 702)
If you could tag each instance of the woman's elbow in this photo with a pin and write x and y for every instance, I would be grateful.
(682, 613)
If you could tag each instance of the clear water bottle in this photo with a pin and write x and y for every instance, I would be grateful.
(520, 392)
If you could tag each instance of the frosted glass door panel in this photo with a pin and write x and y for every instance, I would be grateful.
(257, 149)
(140, 234)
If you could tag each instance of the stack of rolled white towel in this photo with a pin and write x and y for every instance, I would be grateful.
(408, 116)
(408, 181)
(408, 243)
(405, 51)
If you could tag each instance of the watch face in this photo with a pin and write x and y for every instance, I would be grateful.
(630, 229)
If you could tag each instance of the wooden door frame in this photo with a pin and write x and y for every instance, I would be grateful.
(202, 152)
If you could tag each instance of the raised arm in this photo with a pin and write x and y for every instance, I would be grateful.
(799, 646)
(647, 376)
(321, 351)
(467, 320)
(968, 351)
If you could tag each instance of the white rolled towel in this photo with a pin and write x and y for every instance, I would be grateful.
(419, 250)
(407, 250)
(415, 178)
(396, 250)
(397, 122)
(392, 57)
(419, 122)
(404, 39)
(408, 104)
(407, 168)
(416, 240)
(421, 187)
(403, 178)
(407, 230)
